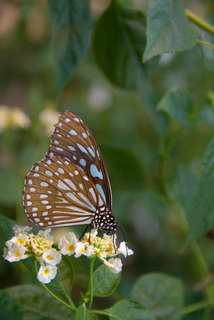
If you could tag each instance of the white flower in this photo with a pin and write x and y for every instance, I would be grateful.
(19, 229)
(51, 257)
(49, 117)
(19, 119)
(20, 239)
(46, 234)
(14, 252)
(13, 117)
(123, 249)
(115, 265)
(80, 249)
(87, 251)
(67, 245)
(99, 97)
(46, 273)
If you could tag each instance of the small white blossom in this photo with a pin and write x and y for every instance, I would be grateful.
(46, 234)
(48, 118)
(47, 273)
(20, 239)
(89, 251)
(80, 249)
(115, 265)
(123, 249)
(21, 230)
(67, 245)
(51, 257)
(14, 252)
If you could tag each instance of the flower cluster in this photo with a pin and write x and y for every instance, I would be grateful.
(25, 244)
(13, 117)
(92, 245)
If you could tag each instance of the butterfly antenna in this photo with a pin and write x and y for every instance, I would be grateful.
(124, 240)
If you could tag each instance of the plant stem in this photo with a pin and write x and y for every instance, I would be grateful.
(50, 292)
(201, 23)
(195, 307)
(204, 43)
(106, 314)
(91, 281)
(67, 295)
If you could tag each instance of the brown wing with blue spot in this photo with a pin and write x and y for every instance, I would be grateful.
(73, 140)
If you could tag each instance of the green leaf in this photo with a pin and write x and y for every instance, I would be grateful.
(128, 309)
(83, 314)
(104, 282)
(186, 183)
(168, 29)
(119, 161)
(118, 44)
(6, 230)
(65, 273)
(71, 25)
(177, 104)
(9, 309)
(37, 304)
(201, 216)
(161, 294)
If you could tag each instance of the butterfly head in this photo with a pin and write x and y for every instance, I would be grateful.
(104, 220)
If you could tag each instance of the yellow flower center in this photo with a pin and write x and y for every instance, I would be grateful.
(49, 258)
(46, 271)
(71, 247)
(20, 241)
(17, 254)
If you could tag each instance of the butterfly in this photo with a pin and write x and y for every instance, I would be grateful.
(70, 186)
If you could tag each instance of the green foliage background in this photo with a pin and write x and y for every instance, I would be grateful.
(152, 113)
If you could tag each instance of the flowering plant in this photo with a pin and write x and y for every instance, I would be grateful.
(41, 248)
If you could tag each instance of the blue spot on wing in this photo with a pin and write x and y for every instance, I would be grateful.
(95, 173)
(100, 189)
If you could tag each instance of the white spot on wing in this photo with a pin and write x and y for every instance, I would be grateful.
(49, 173)
(71, 148)
(43, 184)
(73, 132)
(62, 186)
(43, 196)
(70, 183)
(91, 152)
(81, 148)
(61, 170)
(93, 194)
(84, 135)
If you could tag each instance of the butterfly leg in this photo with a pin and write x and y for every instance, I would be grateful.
(84, 233)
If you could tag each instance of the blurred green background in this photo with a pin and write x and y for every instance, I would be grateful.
(130, 131)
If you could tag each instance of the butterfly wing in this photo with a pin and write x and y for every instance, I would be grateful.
(73, 140)
(57, 193)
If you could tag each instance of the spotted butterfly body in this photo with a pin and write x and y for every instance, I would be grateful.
(70, 186)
